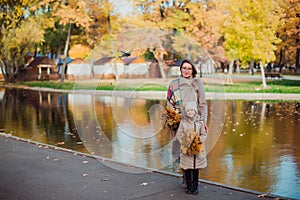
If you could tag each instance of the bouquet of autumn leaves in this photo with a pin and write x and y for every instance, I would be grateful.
(172, 119)
(190, 143)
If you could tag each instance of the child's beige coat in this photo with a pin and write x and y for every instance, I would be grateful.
(188, 161)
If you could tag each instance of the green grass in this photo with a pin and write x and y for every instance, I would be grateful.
(48, 84)
(91, 86)
(274, 86)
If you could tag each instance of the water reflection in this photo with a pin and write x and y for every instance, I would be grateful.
(129, 131)
(257, 149)
(39, 116)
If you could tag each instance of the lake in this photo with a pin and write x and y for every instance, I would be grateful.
(251, 144)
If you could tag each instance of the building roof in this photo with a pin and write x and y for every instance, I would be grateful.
(177, 63)
(44, 61)
(135, 59)
(128, 60)
(78, 61)
(173, 63)
(60, 61)
(102, 61)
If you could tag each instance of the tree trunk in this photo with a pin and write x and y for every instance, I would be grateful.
(160, 64)
(297, 69)
(62, 78)
(159, 57)
(92, 68)
(112, 48)
(2, 67)
(251, 68)
(229, 75)
(238, 67)
(65, 112)
(280, 60)
(264, 83)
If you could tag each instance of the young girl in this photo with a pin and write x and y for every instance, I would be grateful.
(191, 134)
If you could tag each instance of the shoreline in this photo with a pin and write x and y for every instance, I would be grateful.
(161, 95)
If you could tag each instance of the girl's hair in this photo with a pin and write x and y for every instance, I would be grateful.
(193, 67)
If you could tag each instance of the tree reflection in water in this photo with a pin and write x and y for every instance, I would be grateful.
(258, 148)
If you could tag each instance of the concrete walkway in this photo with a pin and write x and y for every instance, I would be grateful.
(31, 170)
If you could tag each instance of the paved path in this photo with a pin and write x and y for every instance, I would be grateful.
(31, 170)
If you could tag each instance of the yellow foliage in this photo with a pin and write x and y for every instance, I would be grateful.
(191, 143)
(172, 118)
(79, 51)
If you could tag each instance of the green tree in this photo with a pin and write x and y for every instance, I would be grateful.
(54, 39)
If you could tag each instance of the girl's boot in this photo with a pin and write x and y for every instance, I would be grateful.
(195, 181)
(195, 187)
(188, 180)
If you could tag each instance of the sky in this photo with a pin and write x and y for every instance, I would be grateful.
(122, 6)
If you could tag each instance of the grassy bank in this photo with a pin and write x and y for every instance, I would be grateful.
(274, 86)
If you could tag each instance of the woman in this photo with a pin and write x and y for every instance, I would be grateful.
(185, 89)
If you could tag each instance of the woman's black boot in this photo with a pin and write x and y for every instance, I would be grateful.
(188, 189)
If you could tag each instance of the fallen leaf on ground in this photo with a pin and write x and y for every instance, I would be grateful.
(60, 143)
(261, 195)
(104, 179)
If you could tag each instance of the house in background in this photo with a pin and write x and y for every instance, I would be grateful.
(60, 62)
(104, 68)
(79, 69)
(135, 67)
(44, 68)
(174, 67)
(39, 68)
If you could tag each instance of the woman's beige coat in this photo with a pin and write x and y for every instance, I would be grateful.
(188, 161)
(191, 89)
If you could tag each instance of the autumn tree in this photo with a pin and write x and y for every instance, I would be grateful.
(151, 14)
(68, 13)
(22, 27)
(99, 12)
(199, 21)
(190, 20)
(136, 41)
(249, 29)
(289, 31)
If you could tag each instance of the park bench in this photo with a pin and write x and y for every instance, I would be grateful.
(273, 75)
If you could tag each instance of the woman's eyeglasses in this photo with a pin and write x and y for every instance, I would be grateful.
(186, 68)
